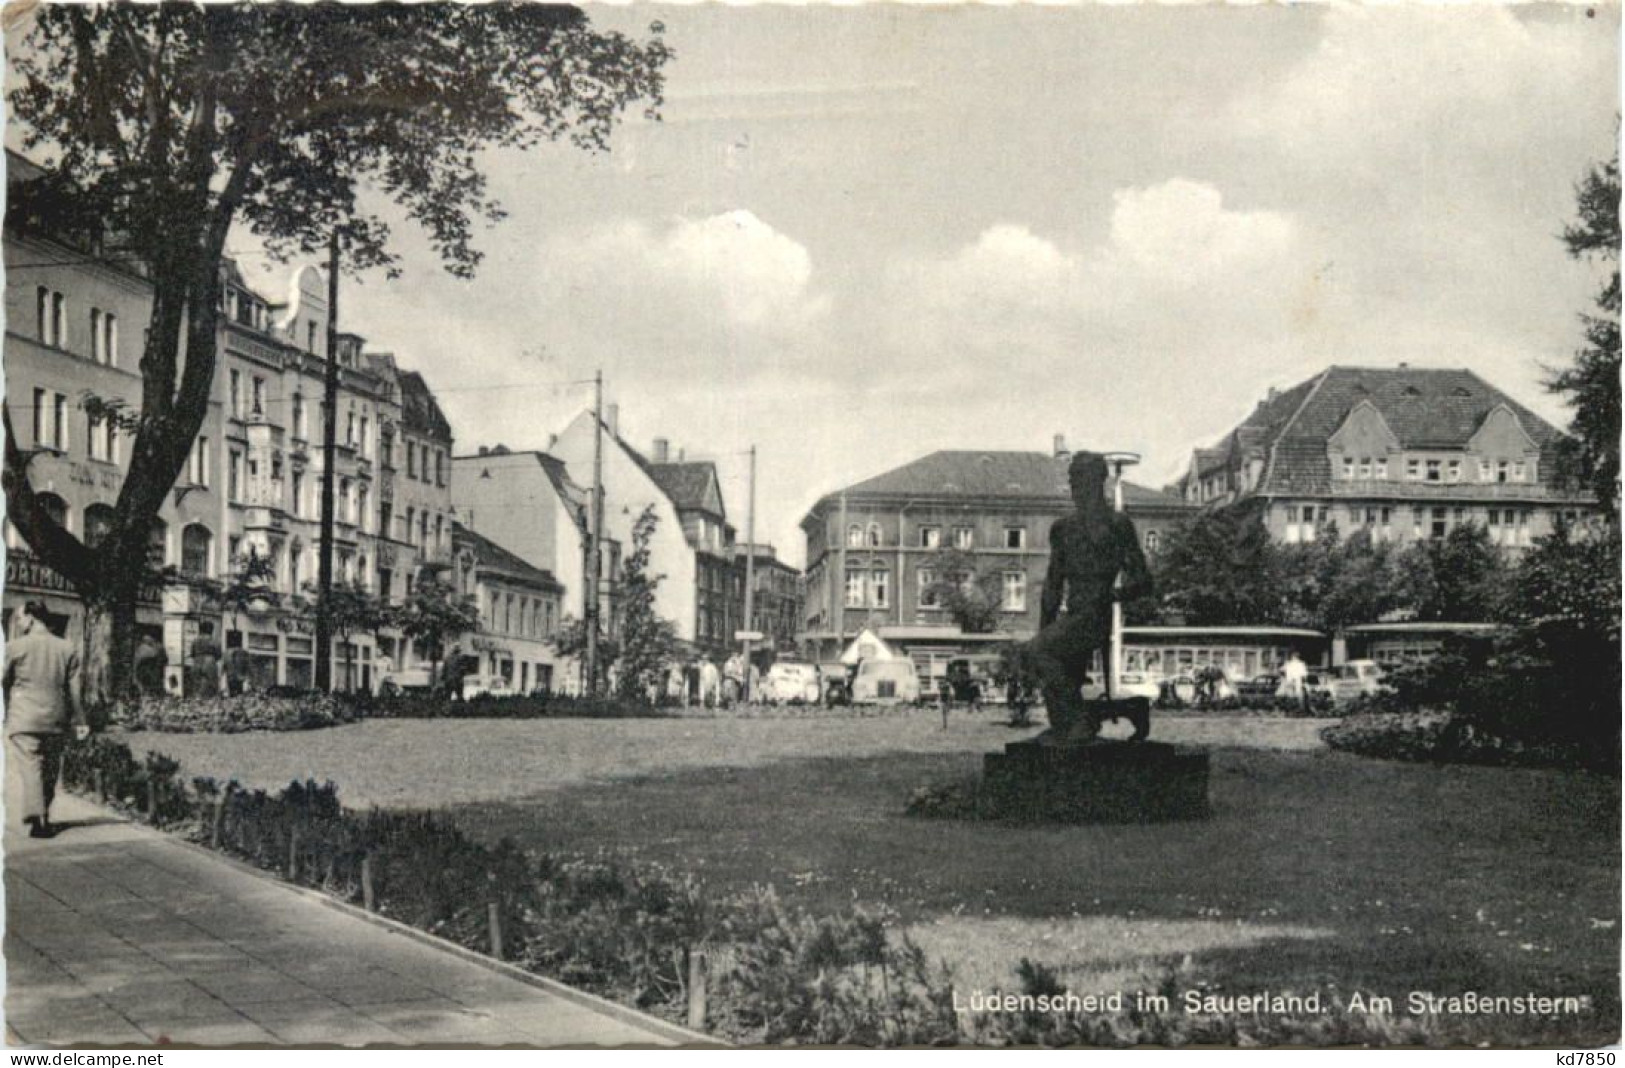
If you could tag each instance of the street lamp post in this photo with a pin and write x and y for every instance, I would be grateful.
(1117, 462)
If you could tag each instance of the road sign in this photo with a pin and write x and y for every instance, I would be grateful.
(749, 636)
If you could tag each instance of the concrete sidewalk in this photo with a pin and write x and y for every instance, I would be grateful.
(118, 935)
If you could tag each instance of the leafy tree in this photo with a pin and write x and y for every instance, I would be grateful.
(352, 610)
(1457, 578)
(648, 643)
(1591, 455)
(970, 596)
(1218, 568)
(570, 641)
(434, 615)
(247, 587)
(164, 126)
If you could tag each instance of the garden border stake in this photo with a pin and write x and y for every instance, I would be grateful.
(368, 901)
(152, 801)
(493, 912)
(101, 785)
(696, 989)
(293, 855)
(217, 825)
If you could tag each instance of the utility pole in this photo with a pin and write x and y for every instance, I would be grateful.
(595, 530)
(750, 569)
(837, 581)
(330, 406)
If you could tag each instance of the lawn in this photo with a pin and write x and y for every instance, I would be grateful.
(1318, 870)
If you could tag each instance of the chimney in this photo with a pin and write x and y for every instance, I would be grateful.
(1060, 445)
(612, 418)
(484, 451)
(662, 449)
(1271, 395)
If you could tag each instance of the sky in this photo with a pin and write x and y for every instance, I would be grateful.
(864, 233)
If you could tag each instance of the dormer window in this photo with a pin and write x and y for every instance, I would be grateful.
(1348, 467)
(1435, 470)
(1453, 470)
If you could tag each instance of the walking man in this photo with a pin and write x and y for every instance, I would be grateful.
(42, 692)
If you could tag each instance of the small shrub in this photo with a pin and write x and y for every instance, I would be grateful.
(944, 800)
(487, 706)
(1450, 737)
(231, 715)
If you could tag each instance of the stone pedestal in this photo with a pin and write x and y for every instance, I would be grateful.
(1102, 782)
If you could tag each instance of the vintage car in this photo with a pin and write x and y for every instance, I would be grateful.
(791, 682)
(885, 682)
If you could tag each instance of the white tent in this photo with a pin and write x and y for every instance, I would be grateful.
(868, 646)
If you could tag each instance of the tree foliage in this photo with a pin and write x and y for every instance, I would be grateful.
(1591, 385)
(434, 615)
(1217, 568)
(164, 127)
(969, 595)
(648, 643)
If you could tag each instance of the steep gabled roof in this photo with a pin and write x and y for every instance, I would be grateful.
(420, 412)
(1426, 407)
(981, 474)
(689, 485)
(491, 556)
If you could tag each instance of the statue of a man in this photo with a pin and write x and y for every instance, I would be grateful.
(1089, 548)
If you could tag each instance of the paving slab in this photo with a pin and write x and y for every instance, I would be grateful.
(119, 935)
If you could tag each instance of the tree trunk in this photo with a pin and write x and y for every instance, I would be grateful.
(109, 642)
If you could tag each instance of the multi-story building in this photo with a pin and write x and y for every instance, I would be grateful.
(74, 331)
(876, 549)
(1406, 453)
(776, 604)
(252, 486)
(719, 591)
(519, 608)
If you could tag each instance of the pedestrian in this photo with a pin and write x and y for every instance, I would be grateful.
(1294, 681)
(42, 693)
(710, 683)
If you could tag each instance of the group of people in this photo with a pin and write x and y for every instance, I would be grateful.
(700, 683)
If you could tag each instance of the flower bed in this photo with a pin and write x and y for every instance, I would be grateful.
(231, 715)
(1449, 737)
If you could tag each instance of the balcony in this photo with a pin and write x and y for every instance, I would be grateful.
(265, 517)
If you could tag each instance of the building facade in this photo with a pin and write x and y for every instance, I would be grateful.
(876, 550)
(719, 585)
(776, 604)
(1407, 454)
(249, 498)
(520, 609)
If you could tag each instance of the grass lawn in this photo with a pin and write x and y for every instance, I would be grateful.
(1318, 870)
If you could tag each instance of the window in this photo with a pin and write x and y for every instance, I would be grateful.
(42, 313)
(110, 339)
(346, 512)
(293, 567)
(423, 530)
(1015, 592)
(1015, 537)
(310, 337)
(1485, 470)
(259, 396)
(361, 509)
(423, 464)
(879, 588)
(1435, 469)
(1440, 525)
(928, 595)
(1517, 471)
(1365, 467)
(299, 415)
(96, 335)
(102, 435)
(98, 521)
(854, 536)
(59, 320)
(874, 539)
(854, 588)
(411, 460)
(362, 443)
(439, 468)
(50, 420)
(386, 448)
(386, 519)
(234, 476)
(411, 514)
(198, 466)
(930, 538)
(1413, 470)
(1453, 470)
(195, 544)
(439, 532)
(964, 537)
(1348, 467)
(1503, 469)
(158, 543)
(236, 394)
(1382, 467)
(349, 428)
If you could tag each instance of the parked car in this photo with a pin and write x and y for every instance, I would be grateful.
(1129, 684)
(1357, 678)
(1259, 688)
(885, 682)
(486, 686)
(792, 682)
(405, 680)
